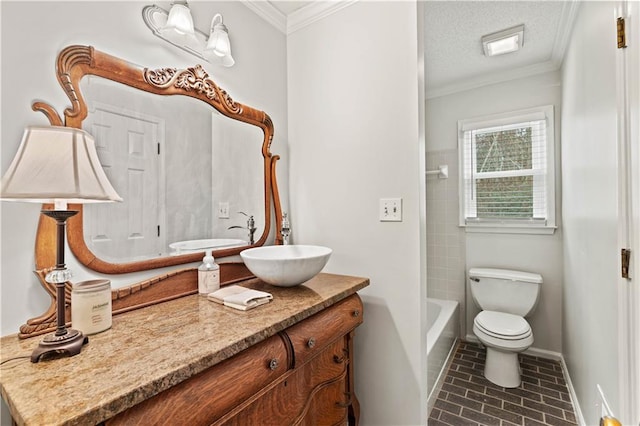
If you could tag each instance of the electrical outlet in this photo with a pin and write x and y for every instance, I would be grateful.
(390, 209)
(223, 210)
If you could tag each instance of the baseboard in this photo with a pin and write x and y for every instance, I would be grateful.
(544, 353)
(572, 393)
(471, 338)
(556, 356)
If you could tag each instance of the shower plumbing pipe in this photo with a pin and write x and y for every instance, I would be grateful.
(442, 172)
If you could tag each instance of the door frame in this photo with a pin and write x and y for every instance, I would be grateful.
(628, 141)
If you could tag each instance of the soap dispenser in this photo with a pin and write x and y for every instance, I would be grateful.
(208, 275)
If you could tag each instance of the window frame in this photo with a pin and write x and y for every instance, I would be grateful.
(547, 225)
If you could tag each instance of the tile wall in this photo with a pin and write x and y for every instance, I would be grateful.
(445, 239)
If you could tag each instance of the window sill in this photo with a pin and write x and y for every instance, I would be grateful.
(509, 229)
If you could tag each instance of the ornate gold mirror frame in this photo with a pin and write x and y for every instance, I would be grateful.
(75, 62)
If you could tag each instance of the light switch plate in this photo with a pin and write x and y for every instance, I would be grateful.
(391, 210)
(223, 210)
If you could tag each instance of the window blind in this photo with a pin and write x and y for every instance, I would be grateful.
(505, 170)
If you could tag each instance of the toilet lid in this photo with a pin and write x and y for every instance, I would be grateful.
(503, 325)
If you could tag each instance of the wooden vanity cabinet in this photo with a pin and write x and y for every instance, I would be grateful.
(213, 392)
(301, 376)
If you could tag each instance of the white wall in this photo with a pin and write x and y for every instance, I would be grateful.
(353, 130)
(589, 175)
(32, 35)
(535, 253)
(242, 186)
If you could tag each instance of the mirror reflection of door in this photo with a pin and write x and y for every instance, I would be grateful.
(129, 148)
(206, 160)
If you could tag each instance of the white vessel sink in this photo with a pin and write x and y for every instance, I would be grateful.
(194, 246)
(286, 266)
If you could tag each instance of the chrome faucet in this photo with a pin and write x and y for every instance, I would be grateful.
(251, 227)
(286, 229)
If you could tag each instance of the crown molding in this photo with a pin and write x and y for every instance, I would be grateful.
(314, 12)
(298, 19)
(493, 78)
(266, 11)
(563, 35)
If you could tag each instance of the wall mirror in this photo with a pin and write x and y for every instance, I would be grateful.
(214, 162)
(190, 177)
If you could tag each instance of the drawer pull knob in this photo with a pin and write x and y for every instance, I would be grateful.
(311, 343)
(338, 359)
(347, 403)
(273, 364)
(356, 313)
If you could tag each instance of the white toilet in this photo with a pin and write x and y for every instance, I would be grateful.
(505, 297)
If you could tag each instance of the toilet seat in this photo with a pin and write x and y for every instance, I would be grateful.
(502, 325)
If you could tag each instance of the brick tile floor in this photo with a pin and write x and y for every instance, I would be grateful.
(467, 398)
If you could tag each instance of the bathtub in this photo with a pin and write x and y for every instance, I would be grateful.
(443, 322)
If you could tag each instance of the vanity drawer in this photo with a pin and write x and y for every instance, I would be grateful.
(207, 396)
(315, 394)
(315, 333)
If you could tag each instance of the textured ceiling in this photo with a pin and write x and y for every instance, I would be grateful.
(453, 30)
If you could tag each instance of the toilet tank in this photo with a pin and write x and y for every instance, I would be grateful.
(504, 290)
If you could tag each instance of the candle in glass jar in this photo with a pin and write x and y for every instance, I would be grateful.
(91, 306)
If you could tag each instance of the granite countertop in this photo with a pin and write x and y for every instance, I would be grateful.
(151, 349)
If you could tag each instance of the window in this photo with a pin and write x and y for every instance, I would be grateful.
(507, 172)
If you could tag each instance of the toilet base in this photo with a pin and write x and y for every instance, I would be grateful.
(502, 368)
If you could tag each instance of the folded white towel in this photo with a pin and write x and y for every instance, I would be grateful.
(239, 297)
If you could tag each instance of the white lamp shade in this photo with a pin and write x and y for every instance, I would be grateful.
(218, 47)
(56, 164)
(179, 20)
(219, 43)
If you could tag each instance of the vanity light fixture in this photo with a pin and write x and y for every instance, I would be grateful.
(57, 165)
(505, 41)
(179, 19)
(180, 32)
(219, 44)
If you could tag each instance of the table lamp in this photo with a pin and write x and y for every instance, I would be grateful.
(57, 165)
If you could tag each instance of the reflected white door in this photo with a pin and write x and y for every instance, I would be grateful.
(128, 146)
